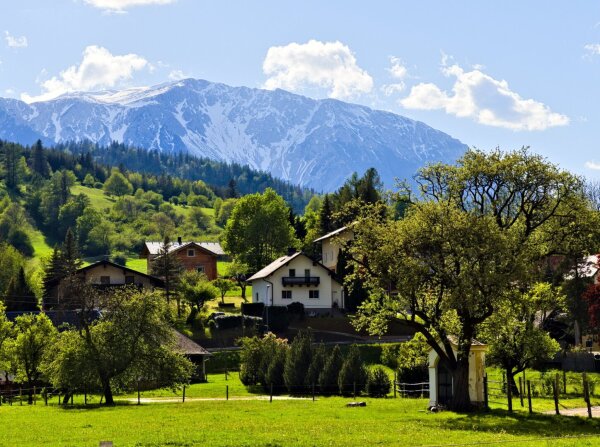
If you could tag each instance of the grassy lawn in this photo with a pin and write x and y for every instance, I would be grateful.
(98, 200)
(137, 264)
(384, 422)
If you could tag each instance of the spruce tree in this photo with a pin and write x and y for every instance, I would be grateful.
(353, 375)
(297, 362)
(325, 220)
(69, 259)
(316, 366)
(167, 266)
(19, 296)
(328, 379)
(39, 163)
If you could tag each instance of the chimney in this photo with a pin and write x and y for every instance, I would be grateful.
(179, 240)
(291, 251)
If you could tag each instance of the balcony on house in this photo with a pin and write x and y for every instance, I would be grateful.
(300, 280)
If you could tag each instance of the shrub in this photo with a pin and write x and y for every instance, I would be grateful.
(297, 362)
(276, 317)
(353, 375)
(275, 371)
(328, 379)
(316, 365)
(296, 309)
(412, 360)
(378, 383)
(256, 357)
(119, 258)
(253, 309)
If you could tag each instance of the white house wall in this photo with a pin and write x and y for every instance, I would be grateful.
(329, 290)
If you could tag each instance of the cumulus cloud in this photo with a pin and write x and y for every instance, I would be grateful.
(398, 72)
(593, 49)
(123, 5)
(98, 69)
(14, 41)
(323, 65)
(177, 75)
(592, 165)
(484, 99)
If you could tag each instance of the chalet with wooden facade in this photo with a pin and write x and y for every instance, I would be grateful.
(198, 256)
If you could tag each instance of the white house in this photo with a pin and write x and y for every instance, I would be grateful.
(297, 278)
(331, 244)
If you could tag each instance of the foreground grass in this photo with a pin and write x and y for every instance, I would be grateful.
(284, 423)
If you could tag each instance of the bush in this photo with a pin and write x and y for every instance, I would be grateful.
(378, 383)
(256, 357)
(296, 309)
(316, 365)
(276, 318)
(275, 371)
(227, 305)
(119, 258)
(253, 309)
(223, 322)
(353, 375)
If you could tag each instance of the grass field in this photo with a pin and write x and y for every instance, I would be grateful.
(325, 422)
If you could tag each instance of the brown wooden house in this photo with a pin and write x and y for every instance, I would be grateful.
(198, 256)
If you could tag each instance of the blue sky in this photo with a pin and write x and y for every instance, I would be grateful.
(506, 74)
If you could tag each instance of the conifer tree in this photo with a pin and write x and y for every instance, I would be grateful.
(19, 296)
(325, 220)
(353, 375)
(167, 266)
(297, 362)
(328, 379)
(39, 163)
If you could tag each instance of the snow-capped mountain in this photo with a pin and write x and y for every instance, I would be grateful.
(317, 143)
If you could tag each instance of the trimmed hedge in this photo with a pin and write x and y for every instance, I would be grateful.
(276, 318)
(253, 309)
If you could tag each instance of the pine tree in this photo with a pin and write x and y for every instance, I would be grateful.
(297, 362)
(325, 220)
(19, 296)
(69, 259)
(328, 379)
(316, 366)
(167, 266)
(231, 189)
(39, 163)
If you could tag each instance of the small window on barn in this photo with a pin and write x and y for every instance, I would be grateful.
(129, 279)
(286, 294)
(200, 269)
(313, 294)
(191, 253)
(105, 280)
(292, 272)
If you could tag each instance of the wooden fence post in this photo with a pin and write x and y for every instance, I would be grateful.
(555, 392)
(529, 396)
(521, 391)
(271, 396)
(313, 391)
(183, 396)
(354, 390)
(34, 393)
(586, 395)
(486, 405)
(564, 382)
(139, 397)
(226, 392)
(395, 382)
(509, 396)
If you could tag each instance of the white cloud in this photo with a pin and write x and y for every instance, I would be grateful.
(323, 65)
(122, 5)
(593, 49)
(592, 165)
(14, 41)
(177, 75)
(98, 69)
(484, 99)
(398, 72)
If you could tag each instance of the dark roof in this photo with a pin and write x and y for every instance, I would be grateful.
(280, 262)
(58, 317)
(155, 281)
(187, 346)
(154, 247)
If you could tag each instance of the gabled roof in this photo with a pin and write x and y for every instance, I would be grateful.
(281, 262)
(154, 247)
(187, 346)
(155, 281)
(330, 235)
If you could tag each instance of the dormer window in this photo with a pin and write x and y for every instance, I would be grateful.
(191, 253)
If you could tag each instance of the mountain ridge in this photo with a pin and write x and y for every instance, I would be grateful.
(315, 143)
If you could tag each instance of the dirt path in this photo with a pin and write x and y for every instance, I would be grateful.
(147, 400)
(578, 412)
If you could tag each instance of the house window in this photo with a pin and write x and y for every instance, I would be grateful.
(313, 294)
(200, 268)
(105, 280)
(307, 273)
(191, 253)
(292, 272)
(286, 294)
(129, 279)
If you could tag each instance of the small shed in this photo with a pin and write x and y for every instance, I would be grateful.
(441, 380)
(195, 354)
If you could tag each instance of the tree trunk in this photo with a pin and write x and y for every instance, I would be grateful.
(461, 401)
(107, 391)
(510, 382)
(243, 287)
(66, 398)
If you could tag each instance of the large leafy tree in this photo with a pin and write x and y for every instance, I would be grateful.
(258, 230)
(117, 184)
(482, 228)
(131, 340)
